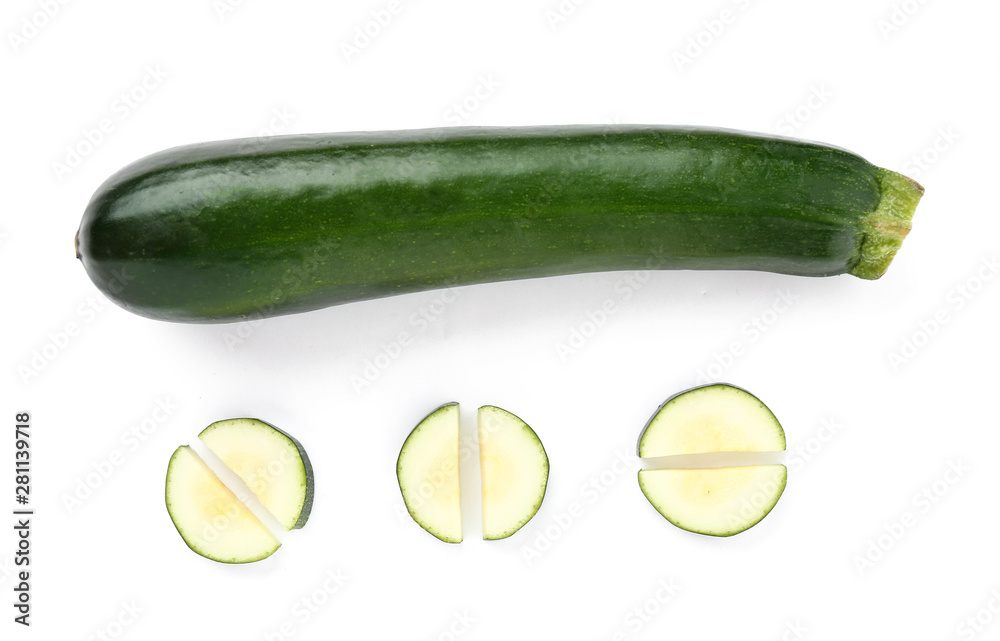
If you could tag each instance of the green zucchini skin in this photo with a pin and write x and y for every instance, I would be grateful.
(225, 231)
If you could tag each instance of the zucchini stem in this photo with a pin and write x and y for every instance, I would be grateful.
(887, 226)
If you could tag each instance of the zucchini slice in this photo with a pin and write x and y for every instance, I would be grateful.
(274, 466)
(719, 501)
(427, 471)
(711, 418)
(209, 517)
(514, 469)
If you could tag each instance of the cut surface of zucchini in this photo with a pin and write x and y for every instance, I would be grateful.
(428, 475)
(720, 501)
(273, 465)
(514, 469)
(712, 418)
(209, 517)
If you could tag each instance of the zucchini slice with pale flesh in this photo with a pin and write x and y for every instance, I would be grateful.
(209, 517)
(514, 469)
(274, 466)
(711, 418)
(427, 471)
(719, 501)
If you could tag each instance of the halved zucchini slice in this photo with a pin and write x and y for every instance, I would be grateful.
(209, 517)
(712, 418)
(274, 466)
(514, 469)
(719, 501)
(427, 471)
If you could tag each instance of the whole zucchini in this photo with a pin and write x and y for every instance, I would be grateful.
(231, 230)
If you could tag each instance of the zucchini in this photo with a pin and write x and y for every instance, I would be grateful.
(272, 463)
(225, 231)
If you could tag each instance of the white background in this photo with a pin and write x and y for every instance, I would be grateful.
(911, 86)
